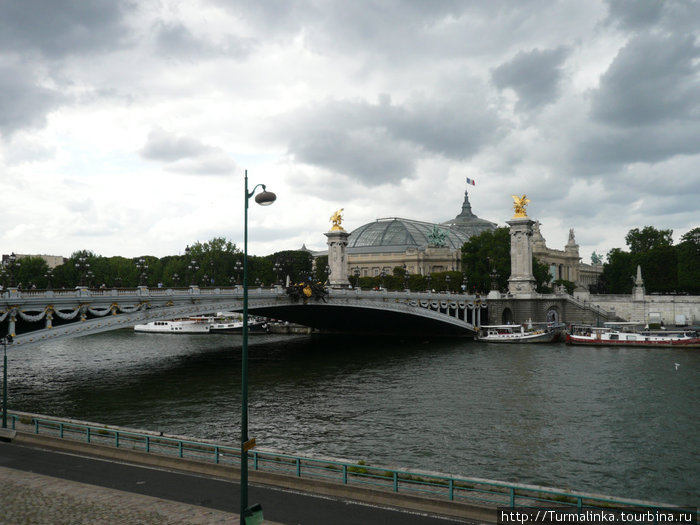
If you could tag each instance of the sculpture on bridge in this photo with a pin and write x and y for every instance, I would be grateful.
(306, 291)
(336, 219)
(519, 204)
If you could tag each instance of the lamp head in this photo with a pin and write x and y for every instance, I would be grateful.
(265, 198)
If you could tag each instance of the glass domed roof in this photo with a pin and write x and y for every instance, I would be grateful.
(398, 235)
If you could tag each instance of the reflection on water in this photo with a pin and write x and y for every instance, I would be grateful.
(607, 420)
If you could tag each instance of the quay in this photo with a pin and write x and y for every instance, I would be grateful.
(277, 479)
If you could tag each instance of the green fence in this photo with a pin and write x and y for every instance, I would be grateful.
(452, 488)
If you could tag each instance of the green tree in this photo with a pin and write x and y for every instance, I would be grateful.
(484, 253)
(296, 264)
(618, 272)
(31, 271)
(648, 238)
(542, 276)
(688, 253)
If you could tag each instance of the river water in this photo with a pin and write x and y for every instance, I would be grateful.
(622, 422)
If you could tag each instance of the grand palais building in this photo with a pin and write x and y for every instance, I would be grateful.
(424, 247)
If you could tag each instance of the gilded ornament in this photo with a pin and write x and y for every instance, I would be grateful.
(336, 219)
(519, 204)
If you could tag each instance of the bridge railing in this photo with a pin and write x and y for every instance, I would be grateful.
(427, 484)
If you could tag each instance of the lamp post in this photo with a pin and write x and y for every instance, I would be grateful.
(238, 268)
(5, 340)
(265, 198)
(357, 276)
(277, 267)
(142, 268)
(82, 265)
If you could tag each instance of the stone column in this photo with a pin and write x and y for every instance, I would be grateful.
(337, 243)
(522, 281)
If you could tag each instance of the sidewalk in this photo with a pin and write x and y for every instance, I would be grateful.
(33, 499)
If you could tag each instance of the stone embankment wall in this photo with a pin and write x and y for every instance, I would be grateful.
(653, 307)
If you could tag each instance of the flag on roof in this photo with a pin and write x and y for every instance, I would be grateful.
(471, 181)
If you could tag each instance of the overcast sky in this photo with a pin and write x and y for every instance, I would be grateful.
(126, 126)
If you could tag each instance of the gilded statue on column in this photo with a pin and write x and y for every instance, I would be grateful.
(336, 219)
(519, 204)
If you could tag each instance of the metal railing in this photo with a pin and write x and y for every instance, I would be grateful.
(473, 491)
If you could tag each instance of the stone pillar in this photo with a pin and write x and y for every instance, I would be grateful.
(639, 291)
(522, 281)
(337, 243)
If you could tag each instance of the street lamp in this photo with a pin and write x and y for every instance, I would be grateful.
(142, 268)
(5, 340)
(238, 268)
(82, 266)
(265, 198)
(13, 268)
(277, 267)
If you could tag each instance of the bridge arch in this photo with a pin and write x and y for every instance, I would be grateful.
(83, 312)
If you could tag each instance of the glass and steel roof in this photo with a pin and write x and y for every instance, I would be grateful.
(397, 235)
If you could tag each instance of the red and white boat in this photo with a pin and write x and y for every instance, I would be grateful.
(630, 334)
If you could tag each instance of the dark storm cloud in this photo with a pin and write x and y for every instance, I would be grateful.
(609, 148)
(533, 75)
(62, 27)
(383, 142)
(653, 79)
(24, 103)
(176, 41)
(403, 32)
(635, 14)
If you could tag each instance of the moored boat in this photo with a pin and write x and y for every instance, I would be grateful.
(190, 325)
(516, 333)
(631, 334)
(233, 324)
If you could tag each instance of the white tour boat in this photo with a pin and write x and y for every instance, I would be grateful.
(630, 334)
(191, 325)
(516, 333)
(227, 325)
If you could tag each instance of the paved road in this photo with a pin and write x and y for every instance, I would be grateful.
(54, 487)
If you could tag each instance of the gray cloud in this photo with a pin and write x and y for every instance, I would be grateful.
(653, 79)
(635, 14)
(176, 41)
(185, 154)
(383, 142)
(62, 27)
(533, 75)
(167, 147)
(24, 103)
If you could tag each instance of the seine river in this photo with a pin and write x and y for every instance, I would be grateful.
(622, 422)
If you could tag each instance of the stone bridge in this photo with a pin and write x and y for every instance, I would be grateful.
(35, 317)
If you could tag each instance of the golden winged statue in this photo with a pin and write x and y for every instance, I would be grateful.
(336, 219)
(519, 204)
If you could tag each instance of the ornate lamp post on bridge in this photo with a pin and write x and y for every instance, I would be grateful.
(82, 266)
(356, 272)
(238, 268)
(265, 198)
(142, 268)
(277, 267)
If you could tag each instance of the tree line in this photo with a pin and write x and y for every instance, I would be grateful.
(666, 268)
(217, 262)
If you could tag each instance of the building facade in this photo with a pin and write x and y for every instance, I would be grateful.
(420, 247)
